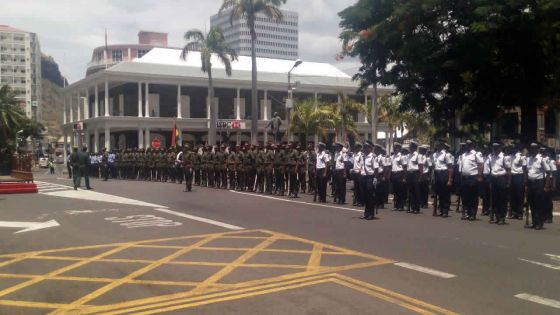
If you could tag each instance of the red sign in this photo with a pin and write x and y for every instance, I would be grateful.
(156, 143)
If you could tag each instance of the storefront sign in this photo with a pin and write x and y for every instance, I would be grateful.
(230, 124)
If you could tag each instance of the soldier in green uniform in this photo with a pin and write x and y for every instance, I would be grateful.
(223, 167)
(188, 164)
(268, 169)
(204, 167)
(279, 170)
(311, 158)
(231, 167)
(249, 168)
(292, 159)
(171, 155)
(301, 170)
(197, 165)
(240, 168)
(260, 159)
(216, 158)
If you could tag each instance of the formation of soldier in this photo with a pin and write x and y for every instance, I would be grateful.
(504, 178)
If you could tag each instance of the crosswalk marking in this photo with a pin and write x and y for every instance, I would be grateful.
(45, 187)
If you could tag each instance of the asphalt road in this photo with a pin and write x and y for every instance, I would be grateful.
(142, 248)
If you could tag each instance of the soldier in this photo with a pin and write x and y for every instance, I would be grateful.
(517, 188)
(425, 176)
(358, 161)
(321, 172)
(269, 168)
(368, 172)
(248, 166)
(291, 164)
(252, 172)
(223, 167)
(240, 155)
(217, 160)
(301, 170)
(188, 159)
(537, 177)
(311, 157)
(204, 167)
(471, 169)
(398, 179)
(443, 178)
(261, 157)
(197, 165)
(500, 178)
(231, 168)
(179, 165)
(279, 170)
(339, 182)
(171, 158)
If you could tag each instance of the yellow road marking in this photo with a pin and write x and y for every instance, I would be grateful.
(314, 262)
(31, 304)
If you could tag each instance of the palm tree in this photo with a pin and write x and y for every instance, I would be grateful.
(249, 9)
(342, 114)
(390, 114)
(12, 117)
(309, 119)
(211, 44)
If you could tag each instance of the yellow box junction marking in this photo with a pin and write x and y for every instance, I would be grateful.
(315, 270)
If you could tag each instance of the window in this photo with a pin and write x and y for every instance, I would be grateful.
(142, 52)
(116, 55)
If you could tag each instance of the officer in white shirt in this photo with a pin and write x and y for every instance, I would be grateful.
(471, 168)
(369, 170)
(355, 173)
(548, 155)
(321, 167)
(425, 176)
(398, 177)
(537, 175)
(382, 176)
(500, 179)
(339, 174)
(414, 168)
(443, 178)
(485, 190)
(518, 163)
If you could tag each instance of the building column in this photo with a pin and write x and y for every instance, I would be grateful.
(96, 140)
(86, 105)
(147, 101)
(265, 109)
(78, 99)
(71, 109)
(86, 136)
(96, 110)
(148, 144)
(179, 101)
(72, 139)
(107, 138)
(107, 98)
(64, 153)
(238, 105)
(140, 138)
(139, 99)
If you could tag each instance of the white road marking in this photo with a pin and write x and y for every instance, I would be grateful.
(295, 201)
(200, 219)
(538, 299)
(143, 220)
(550, 266)
(429, 271)
(28, 226)
(553, 257)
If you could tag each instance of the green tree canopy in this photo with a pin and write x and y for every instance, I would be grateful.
(477, 57)
(12, 117)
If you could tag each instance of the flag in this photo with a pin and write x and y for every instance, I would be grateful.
(174, 134)
(179, 136)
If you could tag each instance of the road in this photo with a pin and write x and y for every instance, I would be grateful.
(149, 248)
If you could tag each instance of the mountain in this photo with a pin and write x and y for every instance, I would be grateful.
(53, 107)
(51, 72)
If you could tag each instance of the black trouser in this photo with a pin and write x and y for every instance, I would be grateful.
(232, 179)
(279, 180)
(105, 172)
(197, 175)
(499, 192)
(424, 190)
(260, 179)
(517, 195)
(85, 174)
(312, 179)
(301, 179)
(414, 190)
(188, 178)
(179, 171)
(268, 174)
(368, 187)
(358, 194)
(69, 167)
(536, 198)
(485, 194)
(442, 191)
(399, 189)
(380, 191)
(469, 191)
(321, 180)
(340, 185)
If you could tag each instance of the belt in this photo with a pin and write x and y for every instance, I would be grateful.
(536, 179)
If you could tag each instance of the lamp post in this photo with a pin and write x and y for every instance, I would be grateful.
(290, 100)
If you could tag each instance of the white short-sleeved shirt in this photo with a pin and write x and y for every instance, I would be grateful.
(414, 160)
(537, 167)
(396, 163)
(339, 158)
(370, 164)
(442, 160)
(427, 164)
(358, 162)
(553, 167)
(499, 164)
(518, 163)
(469, 163)
(322, 159)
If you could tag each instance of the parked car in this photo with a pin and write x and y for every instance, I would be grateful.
(43, 162)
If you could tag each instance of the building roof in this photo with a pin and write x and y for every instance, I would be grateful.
(7, 28)
(168, 62)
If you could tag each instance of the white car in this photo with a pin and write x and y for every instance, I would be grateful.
(43, 162)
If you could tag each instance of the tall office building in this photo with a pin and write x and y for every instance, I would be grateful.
(20, 67)
(274, 39)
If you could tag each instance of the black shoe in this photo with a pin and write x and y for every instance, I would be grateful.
(539, 227)
(445, 215)
(530, 226)
(549, 221)
(363, 218)
(75, 188)
(501, 222)
(89, 188)
(371, 217)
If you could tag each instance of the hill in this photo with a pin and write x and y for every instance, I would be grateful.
(53, 107)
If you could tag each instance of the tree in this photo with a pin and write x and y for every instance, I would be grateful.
(389, 113)
(342, 114)
(473, 57)
(249, 10)
(211, 44)
(12, 117)
(309, 119)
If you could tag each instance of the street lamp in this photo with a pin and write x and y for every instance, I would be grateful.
(290, 101)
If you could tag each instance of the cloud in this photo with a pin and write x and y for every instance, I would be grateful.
(69, 30)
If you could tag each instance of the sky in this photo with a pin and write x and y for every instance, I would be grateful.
(69, 30)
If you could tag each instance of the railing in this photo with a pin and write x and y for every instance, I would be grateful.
(107, 61)
(21, 167)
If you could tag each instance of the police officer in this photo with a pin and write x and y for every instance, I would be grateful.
(339, 174)
(425, 176)
(321, 172)
(537, 176)
(517, 188)
(414, 168)
(500, 179)
(368, 172)
(443, 178)
(398, 179)
(471, 169)
(357, 166)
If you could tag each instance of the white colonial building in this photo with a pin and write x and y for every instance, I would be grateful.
(133, 103)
